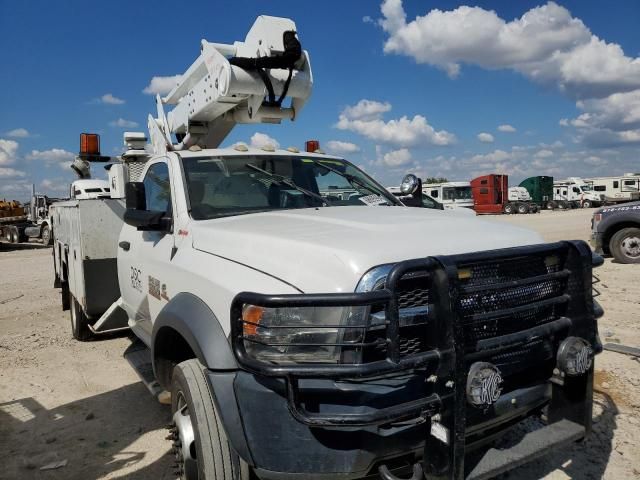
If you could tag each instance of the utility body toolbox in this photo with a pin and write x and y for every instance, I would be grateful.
(85, 247)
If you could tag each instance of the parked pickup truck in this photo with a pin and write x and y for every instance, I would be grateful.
(616, 231)
(303, 335)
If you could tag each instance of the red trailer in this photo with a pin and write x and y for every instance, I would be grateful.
(491, 196)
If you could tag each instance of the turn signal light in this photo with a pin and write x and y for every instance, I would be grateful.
(89, 144)
(251, 316)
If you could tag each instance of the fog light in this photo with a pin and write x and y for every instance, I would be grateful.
(484, 384)
(575, 356)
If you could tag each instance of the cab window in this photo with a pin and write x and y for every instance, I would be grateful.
(157, 188)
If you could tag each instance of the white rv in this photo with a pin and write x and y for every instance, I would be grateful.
(450, 194)
(625, 188)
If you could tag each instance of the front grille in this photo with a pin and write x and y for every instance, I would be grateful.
(508, 296)
(493, 298)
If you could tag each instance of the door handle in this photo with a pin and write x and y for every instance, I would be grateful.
(125, 246)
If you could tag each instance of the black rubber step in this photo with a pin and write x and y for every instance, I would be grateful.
(533, 445)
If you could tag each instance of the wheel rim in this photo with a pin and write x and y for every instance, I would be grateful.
(45, 236)
(184, 441)
(631, 246)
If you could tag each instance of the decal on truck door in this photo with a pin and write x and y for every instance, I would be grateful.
(157, 290)
(136, 279)
(154, 287)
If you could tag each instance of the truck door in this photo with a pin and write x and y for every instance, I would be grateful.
(144, 256)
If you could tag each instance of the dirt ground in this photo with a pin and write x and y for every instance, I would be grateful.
(62, 400)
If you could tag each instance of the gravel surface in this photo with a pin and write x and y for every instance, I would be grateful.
(81, 402)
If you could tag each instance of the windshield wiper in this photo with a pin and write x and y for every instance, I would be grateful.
(352, 179)
(290, 183)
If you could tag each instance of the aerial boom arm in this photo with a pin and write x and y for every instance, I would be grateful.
(214, 95)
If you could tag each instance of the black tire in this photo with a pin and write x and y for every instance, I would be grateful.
(533, 208)
(79, 321)
(192, 401)
(15, 236)
(586, 204)
(508, 208)
(562, 205)
(523, 208)
(625, 245)
(552, 205)
(47, 238)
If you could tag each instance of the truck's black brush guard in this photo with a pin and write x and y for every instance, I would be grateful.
(446, 364)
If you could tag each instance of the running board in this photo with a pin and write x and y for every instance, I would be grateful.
(139, 357)
(533, 445)
(114, 319)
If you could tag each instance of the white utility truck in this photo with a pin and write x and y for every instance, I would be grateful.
(576, 193)
(305, 337)
(450, 194)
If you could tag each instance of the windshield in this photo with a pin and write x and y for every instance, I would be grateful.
(456, 193)
(586, 188)
(225, 186)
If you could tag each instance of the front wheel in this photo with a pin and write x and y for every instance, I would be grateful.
(200, 443)
(625, 245)
(46, 235)
(586, 204)
(523, 208)
(79, 321)
(508, 208)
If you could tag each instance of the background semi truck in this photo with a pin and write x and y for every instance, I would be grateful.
(575, 192)
(541, 190)
(492, 195)
(32, 223)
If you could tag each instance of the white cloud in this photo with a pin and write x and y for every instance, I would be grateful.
(18, 133)
(8, 150)
(52, 156)
(485, 137)
(366, 110)
(336, 146)
(396, 158)
(122, 123)
(506, 128)
(544, 153)
(365, 118)
(259, 140)
(109, 99)
(11, 173)
(546, 44)
(162, 85)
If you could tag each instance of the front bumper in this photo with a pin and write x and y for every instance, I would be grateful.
(344, 421)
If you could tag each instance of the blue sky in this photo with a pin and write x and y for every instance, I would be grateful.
(399, 86)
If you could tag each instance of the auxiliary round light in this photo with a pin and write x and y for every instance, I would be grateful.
(484, 384)
(409, 184)
(575, 356)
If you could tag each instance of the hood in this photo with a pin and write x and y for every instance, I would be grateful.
(329, 249)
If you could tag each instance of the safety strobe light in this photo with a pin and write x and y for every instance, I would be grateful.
(312, 145)
(484, 384)
(575, 356)
(90, 144)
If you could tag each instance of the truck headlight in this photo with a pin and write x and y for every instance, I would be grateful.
(575, 356)
(301, 334)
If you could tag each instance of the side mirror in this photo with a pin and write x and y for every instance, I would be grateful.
(137, 214)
